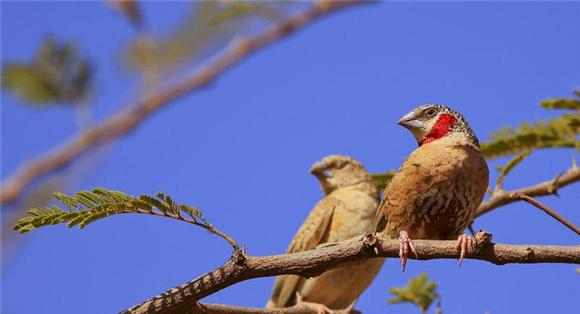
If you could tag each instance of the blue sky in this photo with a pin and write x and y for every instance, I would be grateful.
(240, 149)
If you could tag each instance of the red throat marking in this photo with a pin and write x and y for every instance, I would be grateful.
(439, 129)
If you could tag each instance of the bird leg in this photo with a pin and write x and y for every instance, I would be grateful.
(405, 247)
(464, 244)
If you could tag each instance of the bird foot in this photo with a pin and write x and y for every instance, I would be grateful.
(464, 244)
(317, 307)
(405, 247)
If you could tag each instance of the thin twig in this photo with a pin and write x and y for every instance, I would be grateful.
(550, 187)
(205, 225)
(135, 113)
(209, 227)
(312, 263)
(547, 210)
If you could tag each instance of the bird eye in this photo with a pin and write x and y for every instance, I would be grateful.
(431, 112)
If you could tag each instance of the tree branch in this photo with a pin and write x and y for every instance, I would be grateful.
(134, 114)
(230, 309)
(501, 198)
(547, 210)
(312, 263)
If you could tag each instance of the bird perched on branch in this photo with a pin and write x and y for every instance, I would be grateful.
(438, 189)
(346, 211)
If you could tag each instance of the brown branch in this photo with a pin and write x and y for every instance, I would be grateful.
(230, 309)
(134, 114)
(312, 263)
(501, 198)
(547, 210)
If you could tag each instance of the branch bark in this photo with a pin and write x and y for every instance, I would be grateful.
(229, 309)
(134, 114)
(501, 198)
(240, 267)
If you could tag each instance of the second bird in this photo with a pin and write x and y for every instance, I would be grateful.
(346, 211)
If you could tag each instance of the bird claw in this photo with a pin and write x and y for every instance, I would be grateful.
(317, 307)
(464, 244)
(405, 247)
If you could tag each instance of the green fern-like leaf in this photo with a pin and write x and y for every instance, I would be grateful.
(58, 75)
(561, 103)
(85, 207)
(559, 132)
(419, 291)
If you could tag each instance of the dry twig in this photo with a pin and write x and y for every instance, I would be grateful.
(547, 210)
(501, 198)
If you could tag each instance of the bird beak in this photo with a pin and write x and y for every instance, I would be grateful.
(326, 173)
(320, 169)
(410, 121)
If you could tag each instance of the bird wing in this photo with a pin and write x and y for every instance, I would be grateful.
(418, 177)
(414, 180)
(313, 232)
(380, 221)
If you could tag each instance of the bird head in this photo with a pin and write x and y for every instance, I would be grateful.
(429, 123)
(336, 171)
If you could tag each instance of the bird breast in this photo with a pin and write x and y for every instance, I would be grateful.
(436, 192)
(352, 220)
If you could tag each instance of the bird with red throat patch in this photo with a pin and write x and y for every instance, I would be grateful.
(437, 190)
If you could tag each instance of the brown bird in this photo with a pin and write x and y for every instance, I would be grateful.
(346, 211)
(437, 190)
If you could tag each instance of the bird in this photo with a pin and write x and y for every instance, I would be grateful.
(437, 190)
(346, 211)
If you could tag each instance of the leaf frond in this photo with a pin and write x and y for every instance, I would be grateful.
(419, 291)
(559, 132)
(561, 103)
(85, 207)
(57, 75)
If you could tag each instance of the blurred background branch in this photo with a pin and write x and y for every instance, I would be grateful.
(133, 114)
